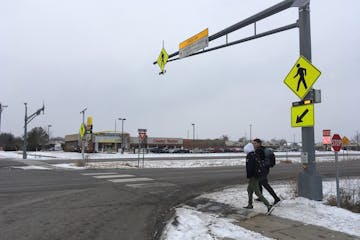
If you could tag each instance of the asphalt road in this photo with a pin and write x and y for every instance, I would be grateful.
(63, 204)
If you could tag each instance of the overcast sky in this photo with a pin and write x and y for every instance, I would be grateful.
(73, 54)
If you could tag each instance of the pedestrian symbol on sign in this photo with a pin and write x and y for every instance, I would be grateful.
(302, 77)
(302, 73)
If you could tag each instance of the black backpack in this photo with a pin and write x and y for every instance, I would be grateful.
(270, 160)
(260, 167)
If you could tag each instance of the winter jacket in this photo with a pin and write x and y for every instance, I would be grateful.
(260, 153)
(250, 160)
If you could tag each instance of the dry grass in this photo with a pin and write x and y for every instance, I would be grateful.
(80, 163)
(347, 201)
(288, 161)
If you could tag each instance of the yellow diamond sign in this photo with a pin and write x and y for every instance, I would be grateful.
(162, 59)
(302, 116)
(345, 140)
(302, 77)
(82, 130)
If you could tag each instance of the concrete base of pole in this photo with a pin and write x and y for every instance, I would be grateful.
(310, 186)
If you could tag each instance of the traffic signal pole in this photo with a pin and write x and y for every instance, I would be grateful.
(27, 120)
(309, 181)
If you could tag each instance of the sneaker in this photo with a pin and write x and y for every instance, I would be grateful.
(249, 207)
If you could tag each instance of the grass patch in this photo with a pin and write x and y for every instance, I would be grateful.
(288, 161)
(80, 163)
(349, 199)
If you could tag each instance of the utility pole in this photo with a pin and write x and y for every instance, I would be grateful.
(2, 107)
(48, 128)
(309, 181)
(250, 134)
(122, 135)
(27, 120)
(193, 125)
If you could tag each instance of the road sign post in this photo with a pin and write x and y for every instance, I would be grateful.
(336, 143)
(309, 181)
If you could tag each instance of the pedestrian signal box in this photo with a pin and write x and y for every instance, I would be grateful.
(303, 102)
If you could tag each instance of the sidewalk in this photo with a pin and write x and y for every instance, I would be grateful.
(269, 225)
(281, 228)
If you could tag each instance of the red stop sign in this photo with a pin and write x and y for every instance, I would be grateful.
(336, 142)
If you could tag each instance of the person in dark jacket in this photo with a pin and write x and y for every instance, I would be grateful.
(251, 174)
(263, 181)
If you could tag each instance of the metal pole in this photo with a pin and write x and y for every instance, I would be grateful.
(193, 124)
(122, 135)
(49, 133)
(83, 140)
(115, 125)
(25, 133)
(337, 180)
(250, 134)
(2, 107)
(309, 181)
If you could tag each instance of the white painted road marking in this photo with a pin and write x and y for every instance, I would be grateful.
(115, 176)
(148, 185)
(123, 180)
(95, 174)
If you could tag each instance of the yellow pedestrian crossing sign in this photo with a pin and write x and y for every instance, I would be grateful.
(302, 77)
(82, 130)
(162, 60)
(302, 116)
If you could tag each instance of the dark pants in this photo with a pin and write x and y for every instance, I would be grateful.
(264, 182)
(253, 187)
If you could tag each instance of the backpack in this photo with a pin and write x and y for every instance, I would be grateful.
(260, 167)
(270, 160)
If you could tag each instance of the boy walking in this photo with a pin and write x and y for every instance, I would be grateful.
(263, 181)
(252, 175)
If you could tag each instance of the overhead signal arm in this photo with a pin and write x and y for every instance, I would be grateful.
(251, 20)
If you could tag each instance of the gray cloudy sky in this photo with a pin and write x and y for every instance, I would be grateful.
(98, 54)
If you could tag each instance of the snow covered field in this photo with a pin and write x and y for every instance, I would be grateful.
(194, 224)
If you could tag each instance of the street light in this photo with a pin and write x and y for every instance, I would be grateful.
(2, 107)
(250, 133)
(193, 124)
(122, 134)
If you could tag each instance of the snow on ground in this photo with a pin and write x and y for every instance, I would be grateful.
(149, 162)
(193, 224)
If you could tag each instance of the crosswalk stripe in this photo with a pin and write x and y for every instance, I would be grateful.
(149, 185)
(114, 176)
(95, 174)
(123, 180)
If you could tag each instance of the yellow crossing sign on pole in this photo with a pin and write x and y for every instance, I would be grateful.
(302, 116)
(162, 60)
(82, 130)
(302, 77)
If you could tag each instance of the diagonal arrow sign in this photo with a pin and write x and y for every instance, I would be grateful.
(299, 119)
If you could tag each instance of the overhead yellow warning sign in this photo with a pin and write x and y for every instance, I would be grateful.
(203, 34)
(162, 60)
(302, 116)
(302, 77)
